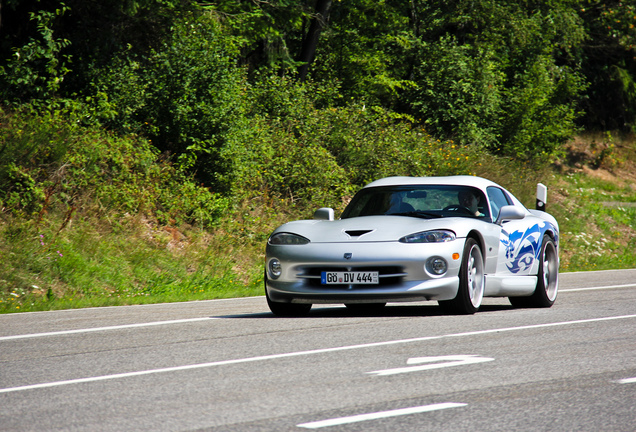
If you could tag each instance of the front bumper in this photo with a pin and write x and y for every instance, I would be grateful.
(403, 276)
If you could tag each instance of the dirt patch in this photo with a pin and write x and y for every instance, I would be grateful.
(602, 156)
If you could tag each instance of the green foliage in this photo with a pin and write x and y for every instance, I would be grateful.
(299, 147)
(368, 47)
(505, 75)
(32, 149)
(490, 75)
(36, 70)
(370, 144)
(459, 92)
(185, 96)
(541, 112)
(47, 164)
(608, 60)
(278, 164)
(270, 33)
(71, 198)
(279, 151)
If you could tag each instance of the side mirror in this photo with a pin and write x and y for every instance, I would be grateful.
(324, 213)
(510, 213)
(542, 196)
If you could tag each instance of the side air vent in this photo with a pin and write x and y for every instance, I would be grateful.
(357, 233)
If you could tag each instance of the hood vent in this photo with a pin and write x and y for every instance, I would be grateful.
(357, 233)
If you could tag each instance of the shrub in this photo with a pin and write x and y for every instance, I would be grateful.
(185, 96)
(49, 165)
(459, 92)
(35, 71)
(294, 148)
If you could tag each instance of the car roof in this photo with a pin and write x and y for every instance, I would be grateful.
(460, 180)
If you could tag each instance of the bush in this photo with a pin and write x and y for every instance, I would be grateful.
(459, 92)
(185, 96)
(35, 71)
(502, 76)
(268, 159)
(540, 111)
(293, 149)
(46, 164)
(372, 143)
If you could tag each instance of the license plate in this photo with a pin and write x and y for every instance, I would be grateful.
(352, 277)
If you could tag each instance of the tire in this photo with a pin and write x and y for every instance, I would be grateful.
(471, 281)
(545, 293)
(286, 309)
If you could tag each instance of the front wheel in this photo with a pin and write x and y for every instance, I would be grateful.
(545, 293)
(471, 281)
(286, 309)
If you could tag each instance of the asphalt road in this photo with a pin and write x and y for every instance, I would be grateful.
(229, 365)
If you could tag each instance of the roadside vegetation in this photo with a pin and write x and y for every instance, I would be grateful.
(147, 157)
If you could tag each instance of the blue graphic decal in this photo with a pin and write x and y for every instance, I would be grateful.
(522, 248)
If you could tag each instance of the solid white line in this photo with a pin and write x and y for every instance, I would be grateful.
(98, 329)
(598, 288)
(627, 381)
(181, 321)
(595, 271)
(310, 352)
(380, 415)
(145, 305)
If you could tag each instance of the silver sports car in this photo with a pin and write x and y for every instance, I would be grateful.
(450, 239)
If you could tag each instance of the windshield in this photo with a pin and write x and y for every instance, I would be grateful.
(427, 201)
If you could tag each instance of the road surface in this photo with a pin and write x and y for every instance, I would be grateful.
(230, 365)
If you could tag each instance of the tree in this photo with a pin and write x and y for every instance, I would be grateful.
(500, 74)
(367, 49)
(310, 42)
(185, 95)
(609, 64)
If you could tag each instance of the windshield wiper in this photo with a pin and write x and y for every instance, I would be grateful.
(417, 213)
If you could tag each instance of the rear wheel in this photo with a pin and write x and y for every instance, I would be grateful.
(286, 309)
(545, 293)
(471, 281)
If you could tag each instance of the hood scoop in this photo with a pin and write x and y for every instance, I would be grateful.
(357, 233)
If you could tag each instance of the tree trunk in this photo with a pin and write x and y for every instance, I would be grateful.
(308, 50)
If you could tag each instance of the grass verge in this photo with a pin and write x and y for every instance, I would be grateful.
(54, 262)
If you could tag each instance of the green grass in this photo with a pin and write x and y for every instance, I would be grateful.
(598, 223)
(86, 267)
(54, 259)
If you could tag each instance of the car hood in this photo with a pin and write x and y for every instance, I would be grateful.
(374, 228)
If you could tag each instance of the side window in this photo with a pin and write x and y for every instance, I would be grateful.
(498, 199)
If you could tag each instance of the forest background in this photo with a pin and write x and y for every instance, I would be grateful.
(149, 147)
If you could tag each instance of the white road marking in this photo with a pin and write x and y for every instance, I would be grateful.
(181, 321)
(380, 415)
(598, 288)
(99, 329)
(309, 352)
(435, 362)
(627, 381)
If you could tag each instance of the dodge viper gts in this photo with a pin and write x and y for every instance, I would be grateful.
(454, 240)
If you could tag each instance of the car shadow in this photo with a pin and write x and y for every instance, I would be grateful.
(389, 311)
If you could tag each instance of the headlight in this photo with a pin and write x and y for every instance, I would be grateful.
(439, 236)
(287, 239)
